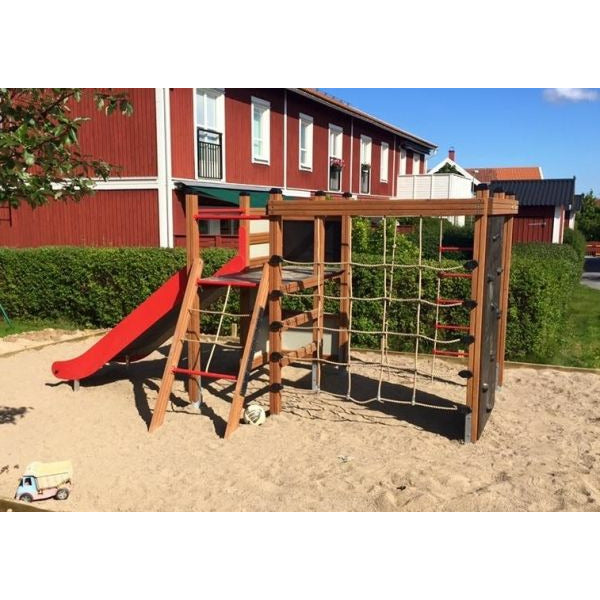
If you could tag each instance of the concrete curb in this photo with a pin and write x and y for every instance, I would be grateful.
(55, 343)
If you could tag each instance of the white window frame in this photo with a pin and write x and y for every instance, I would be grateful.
(220, 94)
(365, 140)
(266, 131)
(337, 130)
(307, 120)
(384, 165)
(366, 157)
(416, 160)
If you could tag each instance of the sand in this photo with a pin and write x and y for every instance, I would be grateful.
(539, 451)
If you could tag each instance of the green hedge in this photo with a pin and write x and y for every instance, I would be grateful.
(91, 287)
(543, 277)
(577, 241)
(96, 287)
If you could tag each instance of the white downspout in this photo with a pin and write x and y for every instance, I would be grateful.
(285, 126)
(163, 168)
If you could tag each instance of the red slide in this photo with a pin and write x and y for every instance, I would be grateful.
(141, 332)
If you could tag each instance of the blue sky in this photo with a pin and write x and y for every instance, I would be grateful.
(557, 129)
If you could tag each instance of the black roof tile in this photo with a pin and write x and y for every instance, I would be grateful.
(538, 192)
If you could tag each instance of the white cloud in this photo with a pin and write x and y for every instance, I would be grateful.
(571, 95)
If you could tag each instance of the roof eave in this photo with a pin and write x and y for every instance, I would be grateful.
(355, 112)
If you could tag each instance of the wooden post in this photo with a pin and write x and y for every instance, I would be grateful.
(245, 293)
(319, 290)
(239, 393)
(345, 280)
(275, 334)
(476, 317)
(193, 328)
(166, 384)
(506, 261)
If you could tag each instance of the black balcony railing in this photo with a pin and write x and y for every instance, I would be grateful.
(210, 154)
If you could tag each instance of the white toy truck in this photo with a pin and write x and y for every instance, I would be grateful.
(45, 480)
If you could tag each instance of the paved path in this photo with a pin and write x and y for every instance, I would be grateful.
(591, 275)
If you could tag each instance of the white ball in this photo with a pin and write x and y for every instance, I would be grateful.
(255, 414)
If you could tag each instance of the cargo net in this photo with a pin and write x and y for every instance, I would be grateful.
(437, 312)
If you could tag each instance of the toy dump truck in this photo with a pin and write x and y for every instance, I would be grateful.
(45, 480)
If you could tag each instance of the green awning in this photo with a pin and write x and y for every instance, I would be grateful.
(228, 195)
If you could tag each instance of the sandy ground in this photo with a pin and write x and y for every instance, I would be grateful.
(539, 450)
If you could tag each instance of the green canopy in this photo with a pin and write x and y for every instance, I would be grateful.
(228, 195)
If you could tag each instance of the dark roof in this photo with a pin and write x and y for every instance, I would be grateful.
(538, 192)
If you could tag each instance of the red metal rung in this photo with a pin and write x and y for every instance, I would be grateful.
(452, 327)
(458, 353)
(209, 374)
(455, 249)
(224, 282)
(452, 274)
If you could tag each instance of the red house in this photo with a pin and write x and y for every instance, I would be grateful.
(223, 140)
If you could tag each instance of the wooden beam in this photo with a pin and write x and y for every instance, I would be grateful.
(193, 330)
(318, 300)
(166, 384)
(476, 317)
(239, 393)
(307, 208)
(345, 289)
(275, 337)
(245, 209)
(506, 262)
(303, 352)
(299, 319)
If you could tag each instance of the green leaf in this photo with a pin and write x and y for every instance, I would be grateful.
(29, 158)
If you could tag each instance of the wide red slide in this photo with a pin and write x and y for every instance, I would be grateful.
(141, 332)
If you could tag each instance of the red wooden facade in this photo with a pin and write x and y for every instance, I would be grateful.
(536, 224)
(128, 142)
(124, 218)
(156, 147)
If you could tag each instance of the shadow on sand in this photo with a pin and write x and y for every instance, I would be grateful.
(440, 416)
(10, 414)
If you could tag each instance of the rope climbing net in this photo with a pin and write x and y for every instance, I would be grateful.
(442, 345)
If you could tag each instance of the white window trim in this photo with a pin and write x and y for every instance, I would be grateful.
(220, 128)
(365, 140)
(267, 141)
(302, 118)
(334, 129)
(382, 178)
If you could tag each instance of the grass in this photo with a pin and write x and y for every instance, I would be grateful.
(581, 347)
(24, 325)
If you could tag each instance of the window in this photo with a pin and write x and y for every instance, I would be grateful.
(365, 164)
(28, 481)
(402, 166)
(210, 109)
(383, 168)
(416, 167)
(306, 142)
(336, 162)
(261, 131)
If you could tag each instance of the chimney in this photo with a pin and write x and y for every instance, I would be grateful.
(451, 153)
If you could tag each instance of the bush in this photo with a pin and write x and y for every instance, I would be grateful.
(542, 279)
(97, 287)
(91, 287)
(577, 241)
